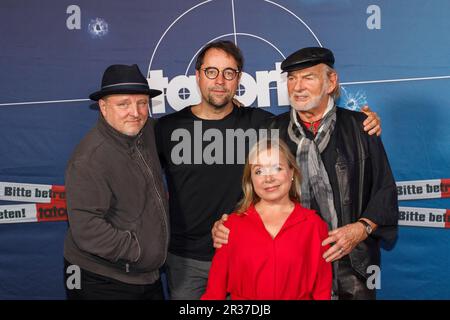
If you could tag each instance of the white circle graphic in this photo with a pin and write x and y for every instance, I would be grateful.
(230, 34)
(234, 33)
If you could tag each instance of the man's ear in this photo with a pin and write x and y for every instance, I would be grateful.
(333, 80)
(102, 106)
(197, 75)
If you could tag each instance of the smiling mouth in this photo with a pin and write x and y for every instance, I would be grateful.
(134, 122)
(219, 90)
(301, 98)
(270, 189)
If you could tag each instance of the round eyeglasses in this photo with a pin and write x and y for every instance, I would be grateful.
(213, 72)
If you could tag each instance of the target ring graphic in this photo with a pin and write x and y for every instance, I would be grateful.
(235, 32)
(194, 42)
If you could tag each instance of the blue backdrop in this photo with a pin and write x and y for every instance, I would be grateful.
(393, 55)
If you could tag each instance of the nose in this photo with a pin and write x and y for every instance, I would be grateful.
(268, 177)
(298, 85)
(134, 110)
(220, 79)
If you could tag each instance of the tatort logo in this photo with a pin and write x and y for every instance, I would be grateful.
(182, 90)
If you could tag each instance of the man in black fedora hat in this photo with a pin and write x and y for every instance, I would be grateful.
(346, 175)
(118, 215)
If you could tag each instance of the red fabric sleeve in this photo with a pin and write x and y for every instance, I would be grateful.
(216, 288)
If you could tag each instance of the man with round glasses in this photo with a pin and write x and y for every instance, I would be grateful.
(228, 73)
(200, 192)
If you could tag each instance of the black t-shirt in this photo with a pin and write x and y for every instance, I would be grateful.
(203, 183)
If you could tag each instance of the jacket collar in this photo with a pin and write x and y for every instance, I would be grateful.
(119, 139)
(298, 215)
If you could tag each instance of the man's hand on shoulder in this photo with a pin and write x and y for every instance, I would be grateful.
(220, 233)
(372, 124)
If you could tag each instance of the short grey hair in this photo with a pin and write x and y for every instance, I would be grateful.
(336, 92)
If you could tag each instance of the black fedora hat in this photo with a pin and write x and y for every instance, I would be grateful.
(123, 79)
(307, 57)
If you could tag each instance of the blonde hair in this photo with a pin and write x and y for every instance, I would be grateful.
(250, 195)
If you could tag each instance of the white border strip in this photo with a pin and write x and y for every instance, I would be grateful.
(42, 102)
(395, 80)
(234, 23)
(18, 213)
(423, 217)
(26, 192)
(423, 189)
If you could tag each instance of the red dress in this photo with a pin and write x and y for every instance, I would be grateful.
(254, 266)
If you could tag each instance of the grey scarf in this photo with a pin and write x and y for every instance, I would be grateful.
(315, 182)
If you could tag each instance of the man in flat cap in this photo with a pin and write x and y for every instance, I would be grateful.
(346, 175)
(118, 214)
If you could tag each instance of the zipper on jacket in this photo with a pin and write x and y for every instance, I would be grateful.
(127, 268)
(160, 201)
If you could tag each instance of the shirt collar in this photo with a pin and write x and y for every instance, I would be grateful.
(123, 140)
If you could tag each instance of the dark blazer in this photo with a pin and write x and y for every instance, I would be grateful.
(365, 183)
(117, 206)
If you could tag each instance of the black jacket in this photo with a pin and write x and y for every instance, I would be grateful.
(117, 207)
(361, 179)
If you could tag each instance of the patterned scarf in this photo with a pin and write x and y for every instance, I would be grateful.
(315, 182)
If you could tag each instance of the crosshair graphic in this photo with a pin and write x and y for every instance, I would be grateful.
(240, 90)
(234, 33)
(184, 93)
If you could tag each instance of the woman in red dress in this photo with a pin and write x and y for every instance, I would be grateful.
(274, 247)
